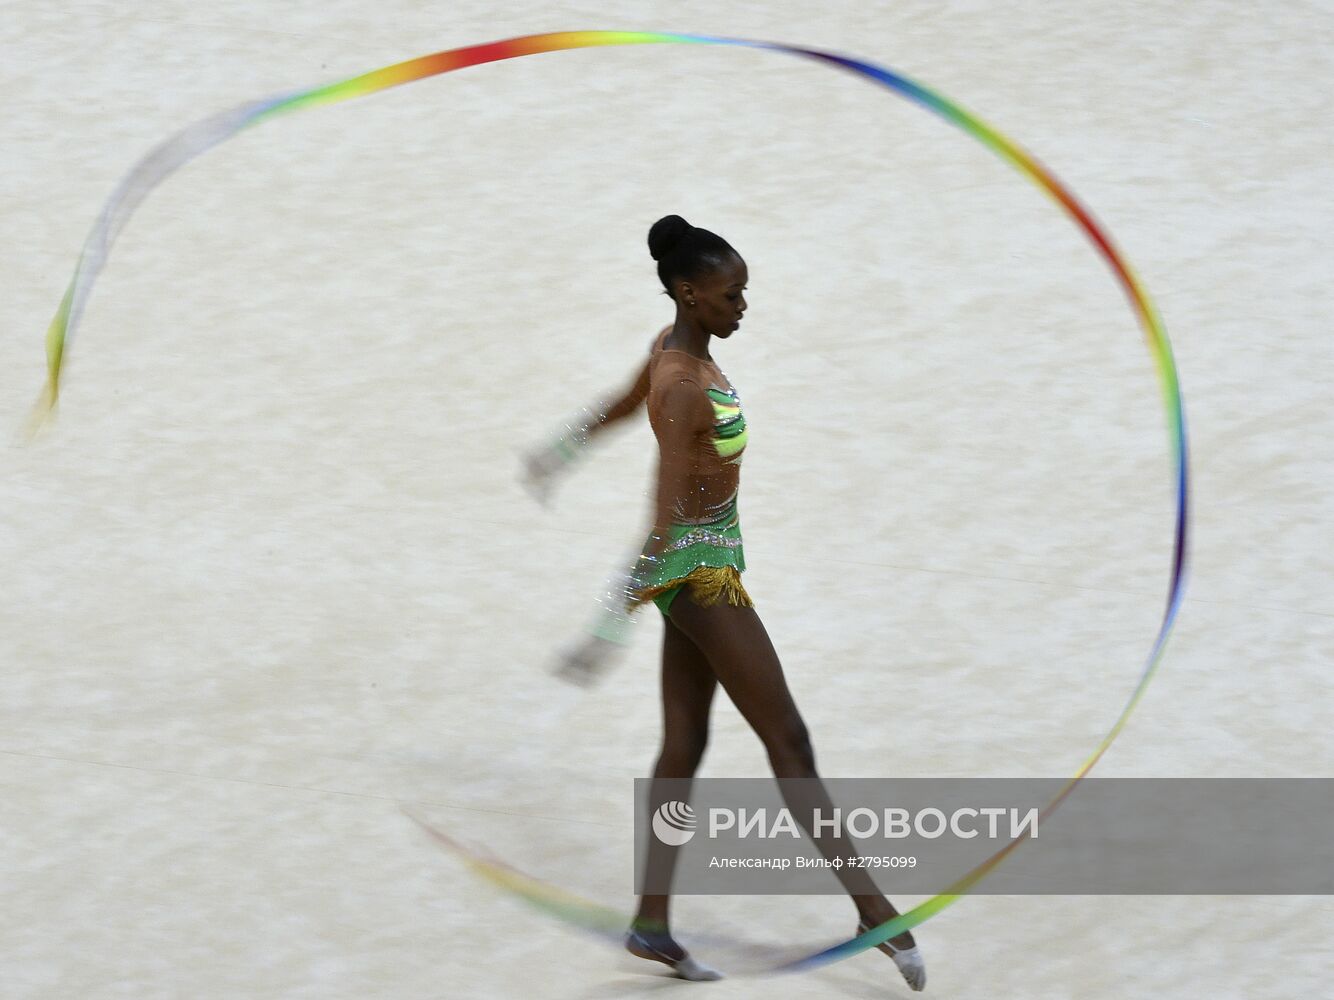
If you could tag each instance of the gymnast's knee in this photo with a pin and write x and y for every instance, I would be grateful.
(681, 754)
(789, 748)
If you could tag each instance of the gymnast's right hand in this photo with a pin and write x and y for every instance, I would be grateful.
(585, 663)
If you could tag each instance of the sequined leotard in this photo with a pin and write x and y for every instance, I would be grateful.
(702, 434)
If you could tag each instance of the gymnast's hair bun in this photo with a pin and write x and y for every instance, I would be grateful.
(665, 234)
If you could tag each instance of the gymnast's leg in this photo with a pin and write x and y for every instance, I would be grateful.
(688, 685)
(743, 659)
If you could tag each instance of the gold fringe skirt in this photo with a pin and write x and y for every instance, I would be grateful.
(708, 586)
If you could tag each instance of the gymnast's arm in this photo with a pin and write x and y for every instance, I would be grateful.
(633, 398)
(542, 466)
(627, 404)
(681, 414)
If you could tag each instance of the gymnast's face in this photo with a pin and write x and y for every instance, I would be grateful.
(719, 296)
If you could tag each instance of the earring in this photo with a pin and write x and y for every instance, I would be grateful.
(690, 302)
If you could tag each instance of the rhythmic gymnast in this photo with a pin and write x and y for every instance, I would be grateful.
(691, 567)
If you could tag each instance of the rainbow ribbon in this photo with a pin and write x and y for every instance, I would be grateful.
(204, 135)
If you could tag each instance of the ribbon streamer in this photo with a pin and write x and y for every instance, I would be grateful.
(204, 135)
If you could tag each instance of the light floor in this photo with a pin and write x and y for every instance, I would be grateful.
(270, 575)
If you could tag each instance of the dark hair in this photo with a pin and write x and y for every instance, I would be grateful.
(684, 252)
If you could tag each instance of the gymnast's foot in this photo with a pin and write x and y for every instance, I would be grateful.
(658, 945)
(903, 949)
